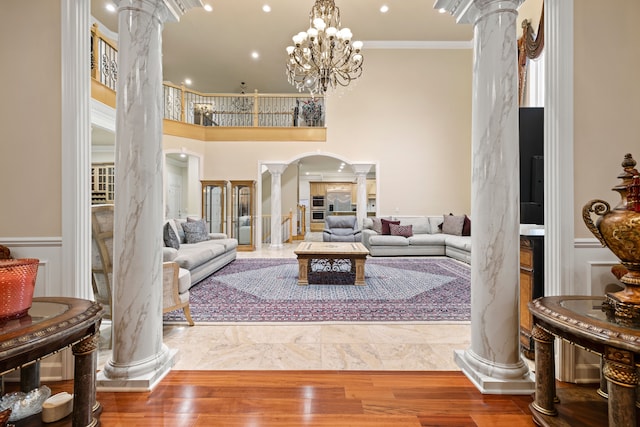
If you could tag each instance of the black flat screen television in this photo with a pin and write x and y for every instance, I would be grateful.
(532, 165)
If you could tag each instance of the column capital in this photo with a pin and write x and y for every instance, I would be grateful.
(276, 168)
(362, 168)
(468, 11)
(174, 8)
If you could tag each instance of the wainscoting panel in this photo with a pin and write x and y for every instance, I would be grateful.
(48, 250)
(592, 276)
(48, 283)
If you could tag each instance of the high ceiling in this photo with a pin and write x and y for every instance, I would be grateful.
(214, 49)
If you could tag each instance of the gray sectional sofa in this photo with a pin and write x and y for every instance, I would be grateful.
(427, 237)
(202, 258)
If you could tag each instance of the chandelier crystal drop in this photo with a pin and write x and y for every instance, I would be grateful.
(323, 56)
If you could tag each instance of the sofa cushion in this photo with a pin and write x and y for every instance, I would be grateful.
(452, 224)
(170, 236)
(427, 239)
(420, 223)
(460, 242)
(228, 244)
(192, 255)
(385, 225)
(377, 225)
(195, 231)
(401, 230)
(388, 240)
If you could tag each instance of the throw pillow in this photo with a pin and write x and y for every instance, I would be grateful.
(385, 225)
(195, 231)
(377, 225)
(466, 226)
(453, 225)
(435, 224)
(171, 239)
(401, 230)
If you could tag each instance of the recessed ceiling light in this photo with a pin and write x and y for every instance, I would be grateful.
(442, 10)
(384, 8)
(182, 155)
(208, 7)
(266, 8)
(255, 55)
(187, 81)
(110, 7)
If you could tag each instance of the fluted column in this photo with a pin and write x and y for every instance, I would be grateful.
(493, 361)
(139, 358)
(361, 172)
(276, 171)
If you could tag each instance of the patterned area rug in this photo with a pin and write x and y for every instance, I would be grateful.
(398, 289)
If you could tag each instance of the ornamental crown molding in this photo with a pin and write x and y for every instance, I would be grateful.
(177, 8)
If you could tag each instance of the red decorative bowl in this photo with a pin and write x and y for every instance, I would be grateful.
(17, 281)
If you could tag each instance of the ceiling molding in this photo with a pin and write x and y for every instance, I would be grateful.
(416, 44)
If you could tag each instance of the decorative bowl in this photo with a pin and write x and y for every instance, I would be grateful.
(17, 282)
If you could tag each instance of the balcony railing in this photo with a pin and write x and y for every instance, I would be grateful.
(242, 110)
(233, 110)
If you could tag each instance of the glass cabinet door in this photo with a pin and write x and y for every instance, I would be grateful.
(243, 213)
(214, 203)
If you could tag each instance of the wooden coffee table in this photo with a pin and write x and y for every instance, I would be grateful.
(332, 258)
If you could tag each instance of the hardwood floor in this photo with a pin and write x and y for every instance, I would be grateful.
(312, 398)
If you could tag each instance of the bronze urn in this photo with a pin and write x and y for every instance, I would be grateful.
(619, 230)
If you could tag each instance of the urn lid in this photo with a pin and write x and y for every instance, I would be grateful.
(628, 172)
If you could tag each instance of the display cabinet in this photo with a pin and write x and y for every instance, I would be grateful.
(531, 286)
(103, 183)
(243, 214)
(214, 205)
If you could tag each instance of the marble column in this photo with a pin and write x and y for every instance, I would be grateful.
(493, 362)
(361, 172)
(139, 358)
(276, 171)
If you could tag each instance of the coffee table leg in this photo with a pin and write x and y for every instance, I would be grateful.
(545, 372)
(620, 372)
(359, 271)
(303, 269)
(84, 382)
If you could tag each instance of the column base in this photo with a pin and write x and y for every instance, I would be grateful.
(140, 382)
(504, 379)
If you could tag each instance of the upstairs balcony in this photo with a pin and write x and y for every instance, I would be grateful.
(216, 117)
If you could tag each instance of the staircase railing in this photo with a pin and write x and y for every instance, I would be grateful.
(287, 228)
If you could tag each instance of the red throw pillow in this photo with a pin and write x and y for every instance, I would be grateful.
(466, 226)
(401, 230)
(385, 225)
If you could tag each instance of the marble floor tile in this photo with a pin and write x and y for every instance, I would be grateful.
(351, 356)
(346, 333)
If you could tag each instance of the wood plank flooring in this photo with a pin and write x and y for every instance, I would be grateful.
(312, 398)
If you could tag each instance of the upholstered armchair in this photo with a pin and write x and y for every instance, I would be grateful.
(176, 281)
(339, 228)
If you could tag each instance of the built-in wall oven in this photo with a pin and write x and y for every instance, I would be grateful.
(317, 202)
(317, 215)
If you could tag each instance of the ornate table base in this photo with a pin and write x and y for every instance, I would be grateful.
(581, 320)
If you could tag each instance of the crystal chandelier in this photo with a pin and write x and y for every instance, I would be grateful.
(243, 103)
(323, 56)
